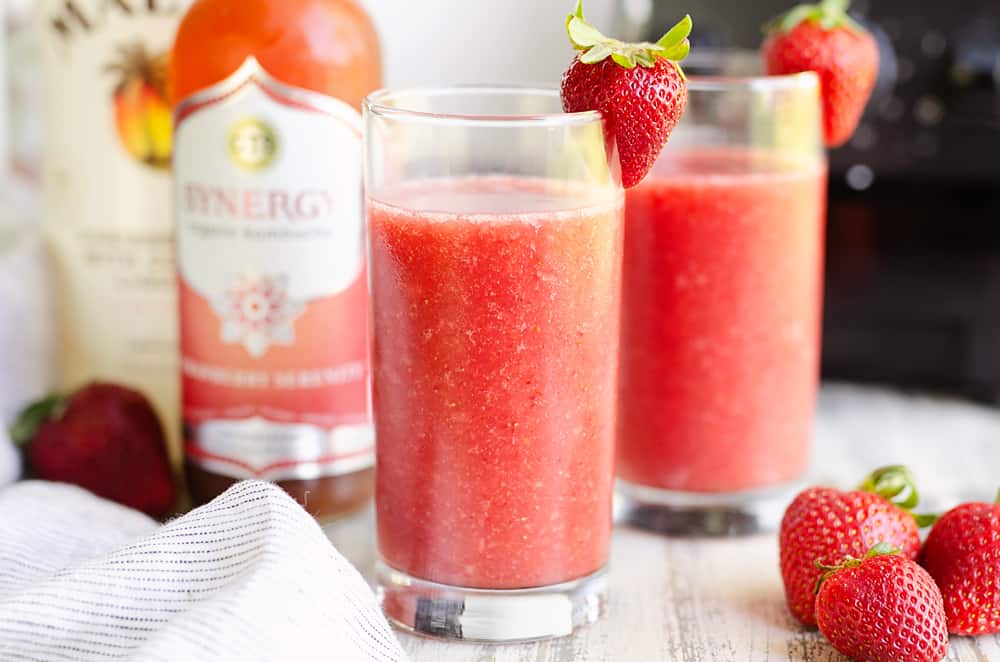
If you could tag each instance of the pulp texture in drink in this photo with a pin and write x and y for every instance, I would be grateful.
(496, 308)
(721, 320)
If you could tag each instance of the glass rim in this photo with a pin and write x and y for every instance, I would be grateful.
(798, 81)
(378, 104)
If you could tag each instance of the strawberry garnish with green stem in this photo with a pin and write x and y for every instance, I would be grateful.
(824, 38)
(824, 525)
(881, 607)
(962, 553)
(639, 88)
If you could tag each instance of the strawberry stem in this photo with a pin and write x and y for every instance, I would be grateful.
(896, 484)
(673, 46)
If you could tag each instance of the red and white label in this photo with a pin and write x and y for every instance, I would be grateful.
(273, 298)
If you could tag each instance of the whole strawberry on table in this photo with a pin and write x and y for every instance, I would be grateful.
(962, 554)
(823, 38)
(882, 607)
(104, 438)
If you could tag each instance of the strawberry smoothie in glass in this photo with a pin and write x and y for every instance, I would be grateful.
(495, 237)
(721, 308)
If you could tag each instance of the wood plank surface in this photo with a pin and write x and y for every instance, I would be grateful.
(721, 599)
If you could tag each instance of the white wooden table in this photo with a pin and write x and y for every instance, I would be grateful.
(692, 600)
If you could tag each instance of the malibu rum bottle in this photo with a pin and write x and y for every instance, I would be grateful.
(273, 297)
(107, 218)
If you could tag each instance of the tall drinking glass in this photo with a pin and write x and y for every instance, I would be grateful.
(495, 234)
(722, 293)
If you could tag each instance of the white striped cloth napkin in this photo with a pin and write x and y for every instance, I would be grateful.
(249, 576)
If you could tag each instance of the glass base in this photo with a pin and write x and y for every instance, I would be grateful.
(702, 514)
(495, 616)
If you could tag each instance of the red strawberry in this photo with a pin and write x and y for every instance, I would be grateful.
(882, 608)
(962, 553)
(823, 525)
(824, 39)
(104, 438)
(640, 89)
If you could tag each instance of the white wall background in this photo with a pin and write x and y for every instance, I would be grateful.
(433, 42)
(4, 97)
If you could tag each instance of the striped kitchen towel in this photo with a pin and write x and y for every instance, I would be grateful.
(250, 576)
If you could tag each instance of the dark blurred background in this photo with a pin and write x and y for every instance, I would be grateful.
(913, 264)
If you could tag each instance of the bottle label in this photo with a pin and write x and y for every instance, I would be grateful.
(273, 297)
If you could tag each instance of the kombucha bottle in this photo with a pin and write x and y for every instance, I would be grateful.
(271, 272)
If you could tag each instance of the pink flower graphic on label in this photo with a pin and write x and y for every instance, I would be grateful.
(257, 313)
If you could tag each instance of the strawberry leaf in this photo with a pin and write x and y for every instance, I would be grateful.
(626, 60)
(828, 6)
(676, 34)
(34, 416)
(678, 52)
(798, 15)
(583, 34)
(595, 54)
(577, 14)
(645, 58)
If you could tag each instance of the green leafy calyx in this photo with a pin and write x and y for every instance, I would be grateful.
(881, 549)
(673, 46)
(34, 416)
(829, 14)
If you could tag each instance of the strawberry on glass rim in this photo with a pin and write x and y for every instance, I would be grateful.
(639, 89)
(823, 38)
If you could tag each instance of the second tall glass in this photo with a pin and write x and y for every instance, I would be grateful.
(721, 309)
(496, 235)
